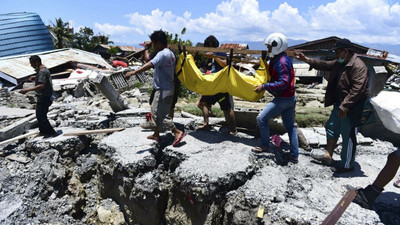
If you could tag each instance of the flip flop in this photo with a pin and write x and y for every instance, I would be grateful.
(259, 149)
(178, 140)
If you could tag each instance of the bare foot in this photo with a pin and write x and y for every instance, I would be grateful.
(204, 127)
(151, 137)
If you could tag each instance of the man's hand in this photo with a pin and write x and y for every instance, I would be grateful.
(210, 55)
(31, 78)
(23, 91)
(259, 88)
(300, 56)
(342, 114)
(147, 44)
(129, 74)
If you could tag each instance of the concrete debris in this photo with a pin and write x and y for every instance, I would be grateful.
(211, 178)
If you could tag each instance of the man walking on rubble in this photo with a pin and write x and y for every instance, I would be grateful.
(224, 100)
(163, 82)
(282, 87)
(44, 93)
(347, 86)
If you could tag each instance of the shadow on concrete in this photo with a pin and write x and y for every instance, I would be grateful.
(387, 206)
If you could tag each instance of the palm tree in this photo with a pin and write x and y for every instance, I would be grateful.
(62, 32)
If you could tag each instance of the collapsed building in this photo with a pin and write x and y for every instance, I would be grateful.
(95, 175)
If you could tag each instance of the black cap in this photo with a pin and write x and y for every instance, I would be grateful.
(342, 43)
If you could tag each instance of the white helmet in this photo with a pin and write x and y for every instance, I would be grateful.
(278, 41)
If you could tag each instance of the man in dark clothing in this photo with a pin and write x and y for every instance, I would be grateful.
(224, 99)
(44, 92)
(347, 85)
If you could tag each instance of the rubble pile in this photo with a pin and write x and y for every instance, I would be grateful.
(393, 81)
(211, 178)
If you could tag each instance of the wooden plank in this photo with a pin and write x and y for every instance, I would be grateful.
(340, 207)
(85, 132)
(227, 50)
(19, 137)
(234, 59)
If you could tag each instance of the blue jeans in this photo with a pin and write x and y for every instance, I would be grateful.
(284, 107)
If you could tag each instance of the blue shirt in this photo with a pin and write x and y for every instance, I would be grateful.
(164, 70)
(215, 67)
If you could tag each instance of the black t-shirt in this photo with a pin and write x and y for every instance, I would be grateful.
(43, 76)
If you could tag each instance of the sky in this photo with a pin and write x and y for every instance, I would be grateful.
(130, 22)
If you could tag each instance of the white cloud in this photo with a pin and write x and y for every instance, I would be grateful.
(109, 29)
(240, 20)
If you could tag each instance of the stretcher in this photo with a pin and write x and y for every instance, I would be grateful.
(226, 80)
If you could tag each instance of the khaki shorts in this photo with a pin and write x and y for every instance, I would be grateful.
(159, 111)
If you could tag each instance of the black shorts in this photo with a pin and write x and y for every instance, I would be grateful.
(222, 99)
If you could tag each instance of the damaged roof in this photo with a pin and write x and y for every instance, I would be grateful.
(14, 68)
(23, 33)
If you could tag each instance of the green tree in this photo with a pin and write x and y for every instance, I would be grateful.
(86, 40)
(102, 39)
(83, 39)
(62, 32)
(174, 39)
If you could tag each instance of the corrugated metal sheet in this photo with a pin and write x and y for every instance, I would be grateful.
(19, 67)
(128, 48)
(23, 33)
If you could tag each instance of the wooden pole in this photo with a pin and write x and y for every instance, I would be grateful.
(227, 50)
(19, 137)
(85, 132)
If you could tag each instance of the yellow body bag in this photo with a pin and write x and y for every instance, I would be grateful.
(226, 80)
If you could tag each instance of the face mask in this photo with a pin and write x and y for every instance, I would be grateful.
(341, 60)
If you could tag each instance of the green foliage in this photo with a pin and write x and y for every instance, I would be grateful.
(113, 50)
(86, 40)
(174, 39)
(62, 32)
(193, 109)
(312, 117)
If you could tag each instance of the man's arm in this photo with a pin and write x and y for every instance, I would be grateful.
(36, 88)
(315, 63)
(145, 67)
(283, 69)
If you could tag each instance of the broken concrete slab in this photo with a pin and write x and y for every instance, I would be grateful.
(211, 163)
(115, 100)
(68, 146)
(127, 155)
(16, 128)
(134, 112)
(300, 203)
(12, 113)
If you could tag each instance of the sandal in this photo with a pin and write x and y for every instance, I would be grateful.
(178, 140)
(259, 149)
(397, 183)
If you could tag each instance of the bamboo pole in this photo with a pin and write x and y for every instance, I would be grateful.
(19, 137)
(84, 132)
